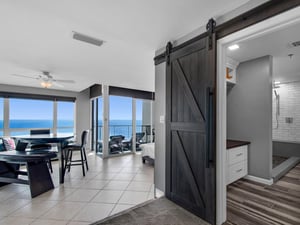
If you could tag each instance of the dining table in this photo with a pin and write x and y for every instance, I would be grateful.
(59, 139)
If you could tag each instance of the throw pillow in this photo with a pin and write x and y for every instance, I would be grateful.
(9, 144)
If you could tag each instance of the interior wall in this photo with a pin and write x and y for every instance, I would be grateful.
(249, 110)
(160, 129)
(83, 114)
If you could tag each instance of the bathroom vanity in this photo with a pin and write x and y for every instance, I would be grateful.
(236, 160)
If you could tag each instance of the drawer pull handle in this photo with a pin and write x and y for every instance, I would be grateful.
(238, 170)
(239, 154)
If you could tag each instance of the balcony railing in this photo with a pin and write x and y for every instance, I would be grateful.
(126, 131)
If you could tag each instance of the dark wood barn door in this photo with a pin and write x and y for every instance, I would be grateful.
(190, 124)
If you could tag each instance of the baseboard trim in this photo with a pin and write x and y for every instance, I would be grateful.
(259, 179)
(158, 193)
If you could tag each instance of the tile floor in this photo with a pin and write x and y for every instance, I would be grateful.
(110, 186)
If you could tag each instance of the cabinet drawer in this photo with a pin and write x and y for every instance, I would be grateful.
(236, 155)
(237, 171)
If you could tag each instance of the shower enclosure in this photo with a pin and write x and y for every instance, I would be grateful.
(286, 126)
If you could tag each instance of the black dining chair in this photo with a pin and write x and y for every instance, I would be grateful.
(38, 146)
(70, 148)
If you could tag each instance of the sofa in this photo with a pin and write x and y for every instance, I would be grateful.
(7, 168)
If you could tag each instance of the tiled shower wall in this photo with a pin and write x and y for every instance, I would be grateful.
(289, 108)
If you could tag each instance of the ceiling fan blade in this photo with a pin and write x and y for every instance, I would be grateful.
(64, 81)
(57, 84)
(18, 75)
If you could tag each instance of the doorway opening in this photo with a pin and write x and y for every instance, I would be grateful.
(257, 114)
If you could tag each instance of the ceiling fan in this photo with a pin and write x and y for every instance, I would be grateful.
(47, 80)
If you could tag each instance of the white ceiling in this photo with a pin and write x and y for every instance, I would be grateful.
(36, 36)
(276, 44)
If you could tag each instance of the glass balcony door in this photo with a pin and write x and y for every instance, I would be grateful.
(120, 124)
(97, 125)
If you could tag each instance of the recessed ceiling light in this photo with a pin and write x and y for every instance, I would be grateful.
(233, 47)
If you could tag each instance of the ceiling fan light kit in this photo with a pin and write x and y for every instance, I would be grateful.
(46, 84)
(47, 80)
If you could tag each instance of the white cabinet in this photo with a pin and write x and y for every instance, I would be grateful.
(237, 163)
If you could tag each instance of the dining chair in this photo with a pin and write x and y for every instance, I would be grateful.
(72, 147)
(38, 146)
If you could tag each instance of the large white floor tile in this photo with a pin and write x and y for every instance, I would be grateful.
(105, 176)
(93, 212)
(58, 194)
(34, 210)
(78, 223)
(11, 205)
(94, 184)
(139, 186)
(49, 222)
(133, 197)
(143, 177)
(116, 185)
(64, 210)
(124, 176)
(108, 196)
(16, 221)
(82, 195)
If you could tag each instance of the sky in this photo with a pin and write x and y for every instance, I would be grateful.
(121, 108)
(39, 110)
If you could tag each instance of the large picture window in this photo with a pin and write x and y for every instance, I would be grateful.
(26, 114)
(65, 117)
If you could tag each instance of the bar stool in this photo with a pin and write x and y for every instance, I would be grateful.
(70, 148)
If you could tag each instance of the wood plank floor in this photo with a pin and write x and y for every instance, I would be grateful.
(251, 203)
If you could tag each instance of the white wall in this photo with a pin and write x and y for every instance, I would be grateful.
(289, 102)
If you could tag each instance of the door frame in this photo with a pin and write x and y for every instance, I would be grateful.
(269, 25)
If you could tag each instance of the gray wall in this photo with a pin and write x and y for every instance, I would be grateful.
(146, 117)
(83, 121)
(160, 130)
(82, 110)
(249, 113)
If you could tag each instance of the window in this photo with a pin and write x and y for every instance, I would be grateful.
(65, 117)
(1, 116)
(25, 114)
(97, 125)
(144, 127)
(120, 123)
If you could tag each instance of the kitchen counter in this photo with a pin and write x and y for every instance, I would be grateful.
(235, 143)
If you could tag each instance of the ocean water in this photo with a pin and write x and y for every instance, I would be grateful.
(120, 127)
(116, 127)
(64, 126)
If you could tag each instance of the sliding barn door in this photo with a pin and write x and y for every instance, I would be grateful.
(190, 124)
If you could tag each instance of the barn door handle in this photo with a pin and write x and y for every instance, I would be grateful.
(209, 126)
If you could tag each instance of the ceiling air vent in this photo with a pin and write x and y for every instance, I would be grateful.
(87, 39)
(295, 44)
